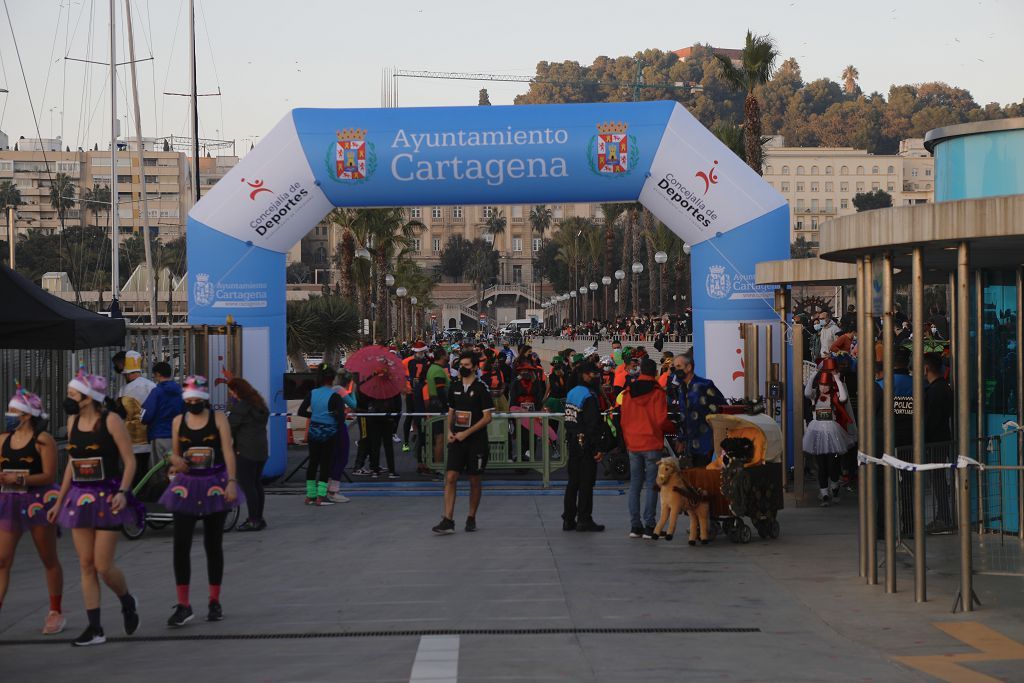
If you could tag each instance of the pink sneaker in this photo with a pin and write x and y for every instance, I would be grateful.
(55, 623)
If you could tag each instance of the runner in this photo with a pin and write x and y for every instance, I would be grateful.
(28, 469)
(95, 499)
(203, 487)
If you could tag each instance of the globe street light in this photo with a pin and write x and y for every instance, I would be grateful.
(400, 293)
(593, 298)
(620, 275)
(661, 258)
(412, 311)
(606, 281)
(637, 268)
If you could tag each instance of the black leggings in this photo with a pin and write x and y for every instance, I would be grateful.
(320, 454)
(213, 543)
(250, 478)
(828, 468)
(381, 430)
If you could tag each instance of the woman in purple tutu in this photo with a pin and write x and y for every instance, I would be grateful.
(203, 487)
(28, 468)
(95, 499)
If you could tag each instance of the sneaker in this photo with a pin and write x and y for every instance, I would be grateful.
(396, 438)
(470, 524)
(182, 615)
(648, 533)
(589, 526)
(54, 624)
(825, 500)
(636, 532)
(90, 636)
(834, 493)
(131, 617)
(248, 525)
(568, 525)
(309, 501)
(526, 456)
(375, 474)
(444, 527)
(337, 498)
(215, 612)
(362, 472)
(261, 525)
(323, 501)
(405, 448)
(393, 475)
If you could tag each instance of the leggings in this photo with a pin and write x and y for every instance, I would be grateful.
(250, 478)
(381, 430)
(828, 468)
(320, 453)
(213, 542)
(339, 453)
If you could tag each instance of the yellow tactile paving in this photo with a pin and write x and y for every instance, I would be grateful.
(992, 645)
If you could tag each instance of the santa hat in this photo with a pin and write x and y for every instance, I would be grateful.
(93, 386)
(26, 402)
(195, 387)
(419, 346)
(825, 379)
(132, 362)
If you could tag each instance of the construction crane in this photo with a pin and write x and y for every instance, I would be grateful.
(637, 85)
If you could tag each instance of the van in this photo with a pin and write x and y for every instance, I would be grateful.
(520, 325)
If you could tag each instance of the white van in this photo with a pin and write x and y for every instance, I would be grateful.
(520, 325)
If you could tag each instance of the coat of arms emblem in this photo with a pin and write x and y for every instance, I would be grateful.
(350, 154)
(613, 151)
(718, 283)
(203, 291)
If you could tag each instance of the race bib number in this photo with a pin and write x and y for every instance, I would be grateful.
(823, 415)
(14, 488)
(87, 469)
(463, 419)
(199, 457)
(528, 407)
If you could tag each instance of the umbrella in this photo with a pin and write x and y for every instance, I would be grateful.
(381, 373)
(536, 425)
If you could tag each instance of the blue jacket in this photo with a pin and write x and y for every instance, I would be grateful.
(163, 404)
(696, 401)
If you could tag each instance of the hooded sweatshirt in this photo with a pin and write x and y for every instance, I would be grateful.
(163, 404)
(644, 413)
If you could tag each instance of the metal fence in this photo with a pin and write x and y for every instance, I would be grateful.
(939, 492)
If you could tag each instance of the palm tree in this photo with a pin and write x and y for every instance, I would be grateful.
(62, 196)
(344, 220)
(479, 269)
(611, 214)
(731, 136)
(850, 76)
(758, 64)
(387, 234)
(495, 225)
(9, 196)
(540, 221)
(99, 201)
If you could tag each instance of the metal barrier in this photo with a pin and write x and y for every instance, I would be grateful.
(939, 492)
(510, 437)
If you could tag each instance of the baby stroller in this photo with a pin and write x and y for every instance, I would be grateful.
(148, 492)
(745, 479)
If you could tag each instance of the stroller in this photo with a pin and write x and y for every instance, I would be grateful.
(148, 492)
(745, 479)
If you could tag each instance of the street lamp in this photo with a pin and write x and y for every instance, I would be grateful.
(581, 306)
(400, 293)
(661, 258)
(637, 268)
(412, 316)
(593, 298)
(620, 275)
(606, 281)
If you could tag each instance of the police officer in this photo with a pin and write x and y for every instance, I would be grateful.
(582, 425)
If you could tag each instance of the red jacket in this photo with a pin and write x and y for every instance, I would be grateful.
(644, 415)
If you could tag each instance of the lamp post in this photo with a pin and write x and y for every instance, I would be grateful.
(364, 253)
(637, 268)
(606, 281)
(620, 275)
(661, 258)
(412, 317)
(389, 282)
(593, 298)
(582, 307)
(575, 308)
(400, 293)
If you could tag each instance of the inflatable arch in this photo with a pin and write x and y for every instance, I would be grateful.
(316, 159)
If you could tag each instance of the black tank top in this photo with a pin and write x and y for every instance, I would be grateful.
(24, 458)
(95, 443)
(205, 437)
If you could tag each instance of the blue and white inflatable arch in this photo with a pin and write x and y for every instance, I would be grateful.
(317, 159)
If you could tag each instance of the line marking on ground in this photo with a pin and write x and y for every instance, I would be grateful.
(437, 660)
(993, 646)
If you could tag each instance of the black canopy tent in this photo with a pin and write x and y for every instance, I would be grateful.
(31, 318)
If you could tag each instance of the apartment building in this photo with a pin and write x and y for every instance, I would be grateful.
(820, 182)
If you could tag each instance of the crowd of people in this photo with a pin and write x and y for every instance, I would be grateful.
(644, 328)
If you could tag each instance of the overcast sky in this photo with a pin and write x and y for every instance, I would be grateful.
(268, 56)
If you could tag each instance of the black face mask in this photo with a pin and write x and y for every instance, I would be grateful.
(195, 408)
(465, 372)
(71, 406)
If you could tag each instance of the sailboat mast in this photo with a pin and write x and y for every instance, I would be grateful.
(195, 97)
(115, 274)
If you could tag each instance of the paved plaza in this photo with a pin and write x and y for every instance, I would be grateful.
(365, 592)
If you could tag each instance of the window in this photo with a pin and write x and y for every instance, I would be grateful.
(814, 170)
(890, 170)
(517, 274)
(814, 224)
(415, 245)
(799, 225)
(828, 187)
(828, 170)
(814, 187)
(489, 238)
(124, 178)
(557, 212)
(890, 186)
(488, 212)
(844, 187)
(785, 187)
(860, 187)
(844, 204)
(785, 170)
(768, 170)
(517, 244)
(437, 245)
(844, 171)
(814, 205)
(860, 170)
(874, 186)
(874, 170)
(517, 214)
(829, 208)
(913, 172)
(416, 212)
(536, 244)
(799, 205)
(435, 213)
(927, 172)
(457, 212)
(799, 170)
(799, 187)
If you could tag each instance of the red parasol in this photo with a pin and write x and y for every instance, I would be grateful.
(381, 373)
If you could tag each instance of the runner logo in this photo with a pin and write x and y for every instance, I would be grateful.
(257, 187)
(709, 178)
(203, 290)
(352, 159)
(613, 151)
(718, 283)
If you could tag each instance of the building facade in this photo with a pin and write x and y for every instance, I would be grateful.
(820, 182)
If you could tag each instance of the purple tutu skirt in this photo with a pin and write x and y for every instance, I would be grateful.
(87, 506)
(20, 512)
(199, 493)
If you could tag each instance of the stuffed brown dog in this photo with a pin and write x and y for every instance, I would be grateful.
(678, 496)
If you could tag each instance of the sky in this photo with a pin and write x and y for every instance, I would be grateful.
(266, 57)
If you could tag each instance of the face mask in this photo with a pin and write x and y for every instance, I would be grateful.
(465, 372)
(71, 406)
(817, 327)
(196, 408)
(935, 330)
(13, 421)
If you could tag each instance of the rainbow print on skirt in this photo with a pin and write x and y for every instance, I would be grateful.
(199, 492)
(87, 506)
(20, 512)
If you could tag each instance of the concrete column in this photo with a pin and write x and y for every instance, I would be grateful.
(864, 346)
(962, 322)
(869, 472)
(797, 387)
(917, 315)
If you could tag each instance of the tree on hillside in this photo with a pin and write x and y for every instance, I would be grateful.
(485, 99)
(850, 76)
(876, 199)
(758, 64)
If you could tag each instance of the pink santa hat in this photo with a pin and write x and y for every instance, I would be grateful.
(195, 387)
(26, 402)
(93, 386)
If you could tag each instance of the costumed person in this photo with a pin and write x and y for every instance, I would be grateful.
(826, 437)
(28, 469)
(95, 499)
(325, 409)
(248, 420)
(698, 397)
(203, 487)
(339, 458)
(130, 399)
